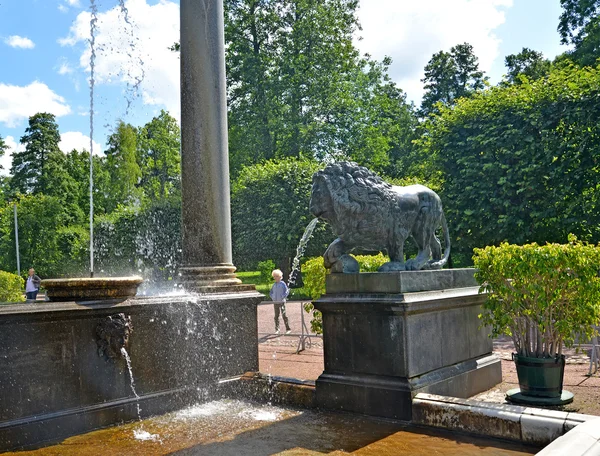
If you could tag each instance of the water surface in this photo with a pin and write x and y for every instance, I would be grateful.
(229, 427)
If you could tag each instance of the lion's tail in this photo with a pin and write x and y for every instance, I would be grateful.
(440, 264)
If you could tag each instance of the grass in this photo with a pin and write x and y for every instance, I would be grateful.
(264, 286)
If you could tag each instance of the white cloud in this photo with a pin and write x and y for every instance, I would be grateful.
(134, 53)
(21, 42)
(74, 3)
(65, 68)
(77, 140)
(411, 32)
(6, 159)
(18, 103)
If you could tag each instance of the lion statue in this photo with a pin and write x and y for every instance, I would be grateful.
(366, 212)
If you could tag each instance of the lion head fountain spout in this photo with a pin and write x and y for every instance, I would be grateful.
(366, 212)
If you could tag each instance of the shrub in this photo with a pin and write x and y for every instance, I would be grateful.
(11, 287)
(266, 268)
(543, 296)
(314, 274)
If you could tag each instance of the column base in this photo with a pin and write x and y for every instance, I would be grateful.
(219, 278)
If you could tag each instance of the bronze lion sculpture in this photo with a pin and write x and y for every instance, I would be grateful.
(367, 213)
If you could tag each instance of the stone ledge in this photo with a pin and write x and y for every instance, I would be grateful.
(401, 281)
(527, 425)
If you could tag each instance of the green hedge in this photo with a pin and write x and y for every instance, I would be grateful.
(11, 287)
(313, 274)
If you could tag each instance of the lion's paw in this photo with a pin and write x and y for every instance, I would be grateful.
(412, 265)
(391, 266)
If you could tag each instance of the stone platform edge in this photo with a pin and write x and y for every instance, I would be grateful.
(400, 281)
(528, 425)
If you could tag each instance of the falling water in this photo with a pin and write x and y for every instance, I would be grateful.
(93, 26)
(139, 434)
(131, 382)
(301, 248)
(132, 89)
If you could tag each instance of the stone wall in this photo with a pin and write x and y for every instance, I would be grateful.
(55, 381)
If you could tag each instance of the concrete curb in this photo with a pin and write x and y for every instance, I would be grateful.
(528, 425)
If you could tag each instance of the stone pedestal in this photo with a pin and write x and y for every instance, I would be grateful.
(389, 336)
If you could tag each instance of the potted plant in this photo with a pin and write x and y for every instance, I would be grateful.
(543, 296)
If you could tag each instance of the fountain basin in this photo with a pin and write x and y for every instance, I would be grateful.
(91, 288)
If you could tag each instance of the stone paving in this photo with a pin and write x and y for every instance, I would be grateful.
(278, 357)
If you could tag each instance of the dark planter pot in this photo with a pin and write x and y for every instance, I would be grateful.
(540, 377)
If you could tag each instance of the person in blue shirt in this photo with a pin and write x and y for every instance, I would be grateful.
(279, 292)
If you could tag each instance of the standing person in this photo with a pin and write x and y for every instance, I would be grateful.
(32, 286)
(279, 292)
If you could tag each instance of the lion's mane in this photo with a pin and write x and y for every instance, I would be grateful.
(361, 201)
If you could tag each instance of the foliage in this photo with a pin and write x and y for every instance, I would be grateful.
(159, 158)
(3, 149)
(579, 26)
(450, 76)
(266, 268)
(529, 63)
(122, 165)
(521, 163)
(29, 167)
(314, 274)
(40, 219)
(11, 287)
(269, 208)
(542, 296)
(298, 87)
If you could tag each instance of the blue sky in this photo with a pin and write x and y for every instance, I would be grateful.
(44, 54)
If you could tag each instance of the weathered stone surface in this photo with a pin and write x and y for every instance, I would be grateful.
(91, 288)
(528, 425)
(460, 415)
(180, 347)
(400, 282)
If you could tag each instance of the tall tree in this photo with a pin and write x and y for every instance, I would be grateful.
(122, 165)
(3, 149)
(159, 157)
(29, 168)
(299, 87)
(579, 26)
(250, 27)
(451, 75)
(529, 63)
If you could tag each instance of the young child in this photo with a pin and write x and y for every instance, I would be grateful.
(279, 292)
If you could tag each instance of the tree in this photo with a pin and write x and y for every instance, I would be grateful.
(299, 88)
(450, 76)
(159, 157)
(579, 25)
(122, 165)
(520, 162)
(3, 149)
(41, 139)
(529, 63)
(40, 219)
(269, 209)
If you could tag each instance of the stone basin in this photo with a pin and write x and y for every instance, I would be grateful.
(91, 288)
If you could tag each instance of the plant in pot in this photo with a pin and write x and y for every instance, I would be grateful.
(544, 297)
